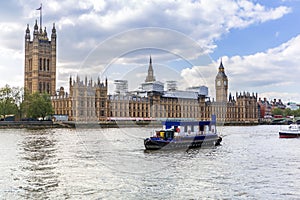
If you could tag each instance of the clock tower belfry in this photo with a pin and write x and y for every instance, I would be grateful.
(221, 84)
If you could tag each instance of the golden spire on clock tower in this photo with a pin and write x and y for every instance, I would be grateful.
(221, 84)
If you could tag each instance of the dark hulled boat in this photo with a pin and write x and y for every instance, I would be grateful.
(293, 131)
(184, 135)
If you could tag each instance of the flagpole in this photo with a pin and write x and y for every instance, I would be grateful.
(41, 17)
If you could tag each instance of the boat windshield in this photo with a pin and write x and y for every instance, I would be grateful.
(169, 134)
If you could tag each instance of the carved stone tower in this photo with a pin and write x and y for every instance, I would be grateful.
(150, 77)
(221, 84)
(40, 61)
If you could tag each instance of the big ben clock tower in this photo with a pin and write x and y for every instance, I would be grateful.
(221, 85)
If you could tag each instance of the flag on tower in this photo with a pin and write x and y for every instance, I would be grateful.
(40, 9)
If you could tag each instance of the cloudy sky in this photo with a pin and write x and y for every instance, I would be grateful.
(258, 41)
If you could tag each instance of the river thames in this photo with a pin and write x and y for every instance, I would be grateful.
(252, 163)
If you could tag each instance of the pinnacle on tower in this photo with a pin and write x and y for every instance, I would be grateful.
(36, 27)
(221, 72)
(53, 29)
(150, 77)
(221, 67)
(35, 32)
(27, 29)
(27, 35)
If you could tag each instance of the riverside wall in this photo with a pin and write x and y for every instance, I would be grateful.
(104, 124)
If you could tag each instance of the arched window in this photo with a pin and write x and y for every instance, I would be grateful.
(30, 64)
(40, 87)
(40, 64)
(44, 64)
(48, 64)
(44, 87)
(48, 88)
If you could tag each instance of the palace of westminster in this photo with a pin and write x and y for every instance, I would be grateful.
(88, 100)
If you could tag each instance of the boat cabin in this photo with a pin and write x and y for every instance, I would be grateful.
(165, 134)
(175, 129)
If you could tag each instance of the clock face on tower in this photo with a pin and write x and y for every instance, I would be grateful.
(225, 82)
(218, 83)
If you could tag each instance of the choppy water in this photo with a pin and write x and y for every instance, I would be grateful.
(252, 163)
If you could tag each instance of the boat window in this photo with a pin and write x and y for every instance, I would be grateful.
(185, 128)
(192, 128)
(157, 133)
(169, 134)
(162, 134)
(189, 129)
(213, 128)
(206, 128)
(201, 129)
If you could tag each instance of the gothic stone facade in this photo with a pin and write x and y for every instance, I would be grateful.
(89, 101)
(242, 109)
(228, 109)
(155, 106)
(86, 101)
(40, 61)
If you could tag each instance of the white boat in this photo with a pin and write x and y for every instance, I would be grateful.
(293, 131)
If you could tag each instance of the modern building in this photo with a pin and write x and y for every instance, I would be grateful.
(121, 86)
(40, 60)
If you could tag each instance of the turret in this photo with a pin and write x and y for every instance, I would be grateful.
(35, 32)
(45, 34)
(70, 82)
(53, 35)
(27, 34)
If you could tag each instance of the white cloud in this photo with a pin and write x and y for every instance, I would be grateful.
(205, 20)
(11, 72)
(276, 69)
(83, 25)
